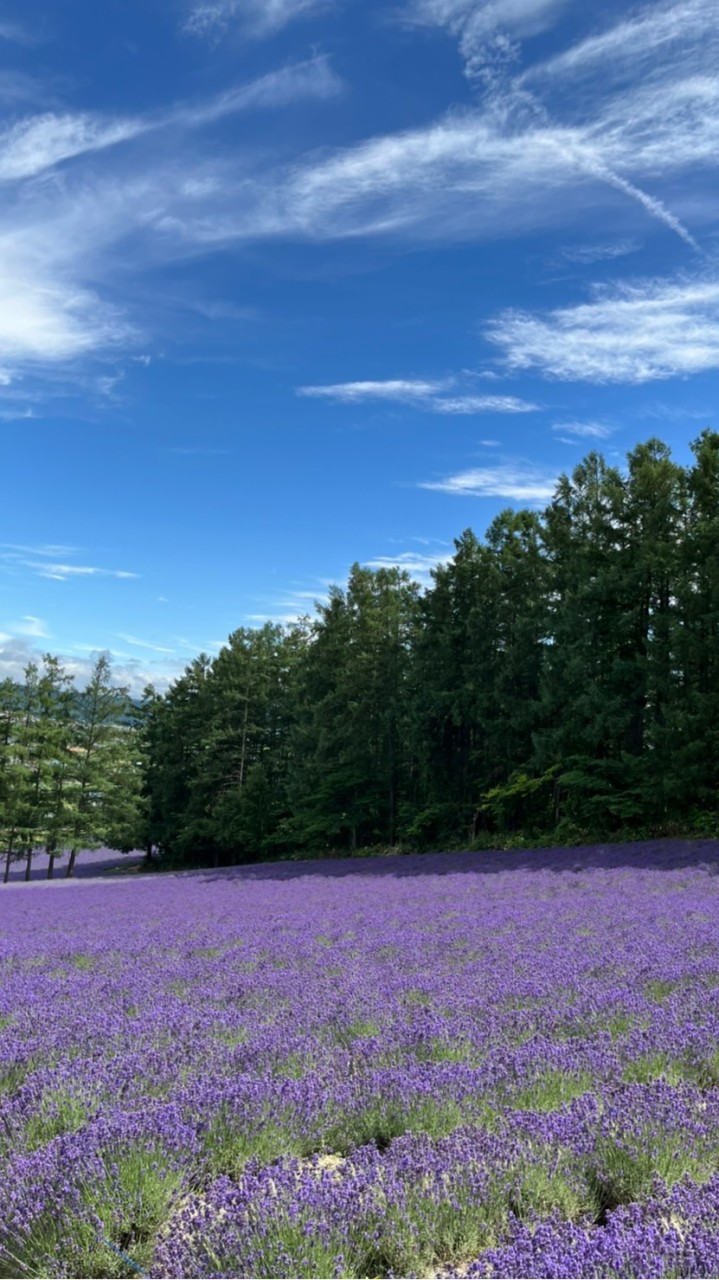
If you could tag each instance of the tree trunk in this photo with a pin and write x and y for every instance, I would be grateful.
(71, 864)
(8, 860)
(28, 864)
(51, 867)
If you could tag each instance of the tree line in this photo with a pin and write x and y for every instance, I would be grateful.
(71, 773)
(558, 680)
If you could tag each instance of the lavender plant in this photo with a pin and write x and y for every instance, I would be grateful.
(442, 1065)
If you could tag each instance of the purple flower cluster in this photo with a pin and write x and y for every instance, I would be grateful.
(453, 1064)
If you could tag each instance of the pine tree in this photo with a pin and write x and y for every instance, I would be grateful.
(105, 775)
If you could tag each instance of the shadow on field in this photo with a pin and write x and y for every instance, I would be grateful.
(91, 864)
(648, 855)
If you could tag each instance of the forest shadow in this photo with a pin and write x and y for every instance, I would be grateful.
(641, 855)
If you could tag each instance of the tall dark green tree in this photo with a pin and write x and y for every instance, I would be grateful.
(351, 765)
(695, 721)
(590, 682)
(105, 778)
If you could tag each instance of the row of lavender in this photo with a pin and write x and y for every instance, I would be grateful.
(448, 1064)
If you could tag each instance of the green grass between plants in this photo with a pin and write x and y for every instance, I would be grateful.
(59, 1113)
(138, 1194)
(550, 1091)
(656, 1066)
(623, 1173)
(228, 1144)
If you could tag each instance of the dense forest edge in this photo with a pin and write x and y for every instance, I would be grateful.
(558, 683)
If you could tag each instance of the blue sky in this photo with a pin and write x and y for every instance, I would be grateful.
(286, 284)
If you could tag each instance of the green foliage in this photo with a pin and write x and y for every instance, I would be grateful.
(522, 801)
(228, 1144)
(137, 1195)
(59, 1112)
(557, 683)
(621, 1172)
(70, 768)
(384, 1119)
(550, 1091)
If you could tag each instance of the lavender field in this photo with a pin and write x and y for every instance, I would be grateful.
(476, 1064)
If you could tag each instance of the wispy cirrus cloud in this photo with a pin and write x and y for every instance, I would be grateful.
(683, 33)
(602, 251)
(143, 644)
(484, 404)
(406, 391)
(29, 146)
(39, 142)
(57, 239)
(478, 174)
(486, 31)
(425, 395)
(497, 170)
(14, 32)
(257, 17)
(418, 565)
(582, 430)
(518, 481)
(54, 562)
(52, 550)
(64, 572)
(632, 333)
(27, 627)
(472, 176)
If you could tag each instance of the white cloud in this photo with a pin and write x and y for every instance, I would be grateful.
(424, 395)
(584, 430)
(17, 651)
(483, 404)
(588, 254)
(58, 237)
(51, 550)
(45, 562)
(29, 146)
(405, 391)
(63, 572)
(659, 33)
(300, 81)
(517, 481)
(290, 605)
(417, 565)
(143, 644)
(507, 167)
(46, 318)
(8, 414)
(485, 30)
(472, 176)
(630, 333)
(40, 142)
(28, 627)
(13, 32)
(257, 17)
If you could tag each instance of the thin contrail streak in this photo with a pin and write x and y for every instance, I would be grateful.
(591, 163)
(654, 207)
